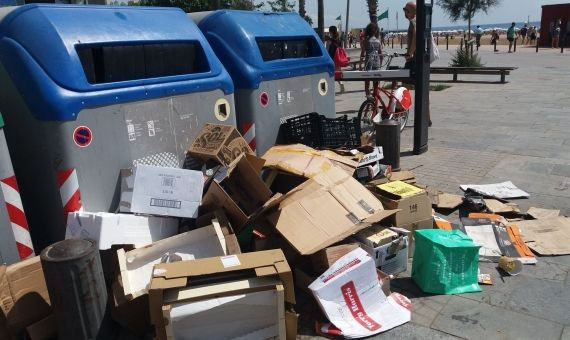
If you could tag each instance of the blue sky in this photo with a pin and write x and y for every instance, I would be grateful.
(509, 10)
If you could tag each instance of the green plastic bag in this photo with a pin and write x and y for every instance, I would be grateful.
(445, 262)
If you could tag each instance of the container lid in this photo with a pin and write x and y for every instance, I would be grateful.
(68, 250)
(240, 37)
(49, 53)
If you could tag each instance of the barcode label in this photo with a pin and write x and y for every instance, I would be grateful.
(158, 202)
(168, 182)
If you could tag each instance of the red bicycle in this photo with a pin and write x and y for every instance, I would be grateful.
(390, 102)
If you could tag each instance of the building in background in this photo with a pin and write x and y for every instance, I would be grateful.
(551, 13)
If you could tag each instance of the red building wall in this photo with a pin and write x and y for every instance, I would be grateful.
(550, 13)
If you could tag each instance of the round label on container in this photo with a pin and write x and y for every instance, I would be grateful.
(82, 136)
(264, 99)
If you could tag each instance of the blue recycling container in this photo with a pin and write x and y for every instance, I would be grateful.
(278, 64)
(89, 90)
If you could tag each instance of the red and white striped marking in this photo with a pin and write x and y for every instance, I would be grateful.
(69, 191)
(248, 131)
(17, 217)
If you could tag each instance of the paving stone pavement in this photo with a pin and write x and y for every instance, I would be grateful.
(484, 132)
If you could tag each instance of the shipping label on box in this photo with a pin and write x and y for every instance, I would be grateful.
(167, 191)
(222, 143)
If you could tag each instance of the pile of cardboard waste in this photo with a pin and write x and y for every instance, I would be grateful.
(220, 250)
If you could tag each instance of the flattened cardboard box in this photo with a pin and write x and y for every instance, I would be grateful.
(301, 160)
(326, 209)
(222, 143)
(173, 282)
(23, 294)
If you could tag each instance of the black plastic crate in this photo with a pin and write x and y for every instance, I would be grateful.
(354, 133)
(333, 131)
(303, 129)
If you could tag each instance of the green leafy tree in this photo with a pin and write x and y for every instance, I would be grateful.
(373, 10)
(466, 9)
(281, 5)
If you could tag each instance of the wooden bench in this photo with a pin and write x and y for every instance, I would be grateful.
(502, 71)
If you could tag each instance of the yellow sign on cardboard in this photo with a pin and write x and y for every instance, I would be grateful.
(401, 189)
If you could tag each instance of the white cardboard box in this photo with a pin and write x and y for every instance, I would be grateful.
(391, 258)
(108, 229)
(372, 157)
(167, 191)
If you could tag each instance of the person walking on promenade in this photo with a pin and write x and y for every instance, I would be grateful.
(495, 40)
(370, 52)
(478, 35)
(332, 43)
(511, 36)
(523, 33)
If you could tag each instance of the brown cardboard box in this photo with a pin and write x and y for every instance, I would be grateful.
(179, 283)
(326, 209)
(301, 160)
(219, 218)
(222, 143)
(240, 191)
(324, 258)
(412, 209)
(24, 298)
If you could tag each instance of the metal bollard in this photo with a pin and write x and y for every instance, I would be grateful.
(515, 48)
(392, 42)
(437, 40)
(76, 287)
(388, 137)
(537, 44)
(402, 42)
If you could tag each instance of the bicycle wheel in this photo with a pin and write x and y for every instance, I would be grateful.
(365, 116)
(402, 119)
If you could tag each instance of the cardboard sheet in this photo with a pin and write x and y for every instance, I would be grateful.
(498, 207)
(351, 296)
(539, 213)
(549, 236)
(503, 190)
(302, 160)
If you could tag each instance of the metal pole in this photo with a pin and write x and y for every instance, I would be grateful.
(537, 44)
(515, 48)
(392, 41)
(437, 40)
(402, 42)
(346, 27)
(447, 41)
(421, 110)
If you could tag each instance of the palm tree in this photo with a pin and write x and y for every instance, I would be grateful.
(321, 19)
(373, 10)
(466, 9)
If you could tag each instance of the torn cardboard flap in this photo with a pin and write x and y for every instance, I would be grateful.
(302, 160)
(325, 210)
(498, 207)
(24, 298)
(539, 213)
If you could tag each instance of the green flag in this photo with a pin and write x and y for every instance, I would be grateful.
(383, 16)
(339, 18)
